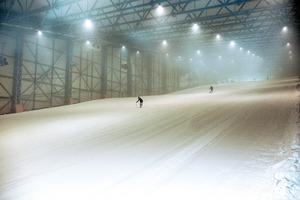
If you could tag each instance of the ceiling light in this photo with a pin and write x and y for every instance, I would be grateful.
(88, 23)
(160, 9)
(195, 27)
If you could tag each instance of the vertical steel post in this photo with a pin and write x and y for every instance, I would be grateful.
(149, 73)
(112, 72)
(129, 73)
(104, 72)
(68, 77)
(80, 73)
(164, 74)
(35, 86)
(178, 75)
(52, 72)
(135, 73)
(92, 75)
(17, 74)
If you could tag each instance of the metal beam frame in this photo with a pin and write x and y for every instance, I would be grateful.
(17, 76)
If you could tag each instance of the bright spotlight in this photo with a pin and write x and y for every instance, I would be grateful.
(88, 23)
(241, 48)
(87, 42)
(218, 36)
(123, 47)
(167, 54)
(164, 42)
(40, 32)
(253, 54)
(285, 29)
(248, 51)
(220, 57)
(195, 27)
(137, 52)
(288, 44)
(160, 9)
(198, 51)
(232, 43)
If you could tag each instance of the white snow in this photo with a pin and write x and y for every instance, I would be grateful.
(240, 142)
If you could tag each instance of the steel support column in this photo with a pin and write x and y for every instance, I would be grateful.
(104, 72)
(149, 73)
(17, 74)
(68, 77)
(129, 73)
(164, 74)
(178, 67)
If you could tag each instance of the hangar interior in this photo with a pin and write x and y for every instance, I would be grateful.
(59, 52)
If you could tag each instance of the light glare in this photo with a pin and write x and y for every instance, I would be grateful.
(160, 9)
(232, 43)
(40, 32)
(164, 42)
(285, 29)
(88, 23)
(195, 27)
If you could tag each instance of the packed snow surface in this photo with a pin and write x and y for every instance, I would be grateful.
(240, 142)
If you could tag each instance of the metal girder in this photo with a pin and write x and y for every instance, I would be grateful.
(104, 72)
(225, 18)
(132, 16)
(26, 8)
(68, 76)
(149, 66)
(17, 76)
(134, 22)
(129, 73)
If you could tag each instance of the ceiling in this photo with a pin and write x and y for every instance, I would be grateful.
(253, 24)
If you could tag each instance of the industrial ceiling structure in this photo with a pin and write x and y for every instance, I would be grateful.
(252, 24)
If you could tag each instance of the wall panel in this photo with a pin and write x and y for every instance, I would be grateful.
(44, 72)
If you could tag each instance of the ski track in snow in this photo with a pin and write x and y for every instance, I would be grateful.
(240, 142)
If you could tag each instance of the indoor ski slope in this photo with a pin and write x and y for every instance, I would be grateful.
(240, 142)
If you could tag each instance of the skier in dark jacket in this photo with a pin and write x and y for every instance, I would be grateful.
(211, 89)
(141, 101)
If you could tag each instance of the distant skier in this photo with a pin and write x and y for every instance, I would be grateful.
(141, 101)
(211, 89)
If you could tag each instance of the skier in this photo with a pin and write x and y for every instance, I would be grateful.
(211, 89)
(141, 101)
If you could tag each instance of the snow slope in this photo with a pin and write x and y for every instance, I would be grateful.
(240, 142)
